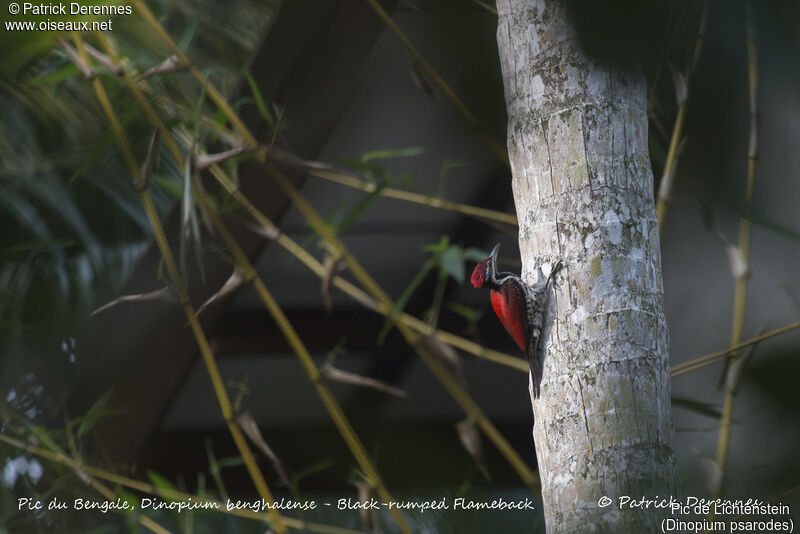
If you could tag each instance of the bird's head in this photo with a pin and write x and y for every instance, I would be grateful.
(486, 269)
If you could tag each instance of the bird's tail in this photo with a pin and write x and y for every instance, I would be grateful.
(536, 364)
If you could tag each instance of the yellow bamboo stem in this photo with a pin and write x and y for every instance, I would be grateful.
(668, 178)
(183, 296)
(715, 357)
(417, 198)
(740, 296)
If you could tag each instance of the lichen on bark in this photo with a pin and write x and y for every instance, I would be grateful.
(583, 188)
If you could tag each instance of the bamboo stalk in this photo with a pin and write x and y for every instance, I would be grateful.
(715, 357)
(167, 493)
(668, 177)
(740, 295)
(498, 150)
(417, 198)
(183, 296)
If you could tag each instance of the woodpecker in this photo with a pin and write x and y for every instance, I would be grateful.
(520, 307)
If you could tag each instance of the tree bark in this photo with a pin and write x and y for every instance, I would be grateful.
(583, 188)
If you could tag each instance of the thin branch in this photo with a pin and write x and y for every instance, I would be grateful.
(350, 181)
(740, 296)
(714, 357)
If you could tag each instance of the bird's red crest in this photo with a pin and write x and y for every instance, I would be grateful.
(479, 274)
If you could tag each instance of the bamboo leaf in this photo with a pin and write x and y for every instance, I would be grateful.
(736, 260)
(250, 428)
(712, 474)
(171, 64)
(204, 161)
(452, 262)
(83, 67)
(359, 209)
(98, 410)
(679, 83)
(164, 486)
(393, 153)
(703, 408)
(446, 354)
(403, 300)
(103, 59)
(262, 107)
(234, 281)
(164, 294)
(475, 254)
(345, 377)
(470, 438)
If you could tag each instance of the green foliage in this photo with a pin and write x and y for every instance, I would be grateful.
(447, 261)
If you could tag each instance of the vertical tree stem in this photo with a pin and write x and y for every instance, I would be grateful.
(740, 292)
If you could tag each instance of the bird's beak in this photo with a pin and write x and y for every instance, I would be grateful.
(493, 255)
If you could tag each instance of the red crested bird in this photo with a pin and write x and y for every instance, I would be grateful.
(520, 307)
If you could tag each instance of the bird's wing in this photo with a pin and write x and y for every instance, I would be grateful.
(511, 298)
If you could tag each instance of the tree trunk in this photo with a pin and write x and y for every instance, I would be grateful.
(583, 187)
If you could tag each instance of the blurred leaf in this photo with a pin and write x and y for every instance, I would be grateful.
(142, 181)
(262, 107)
(30, 247)
(702, 408)
(65, 71)
(128, 497)
(311, 470)
(712, 474)
(679, 83)
(359, 209)
(98, 410)
(162, 484)
(470, 314)
(392, 153)
(470, 438)
(475, 254)
(736, 261)
(403, 300)
(452, 262)
(250, 428)
(346, 377)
